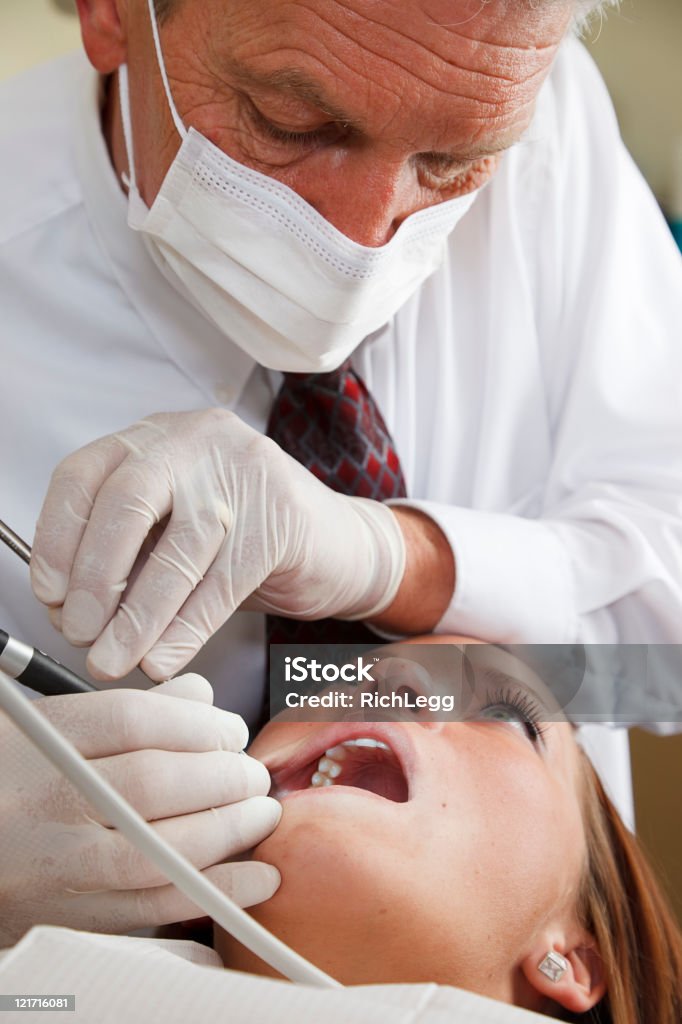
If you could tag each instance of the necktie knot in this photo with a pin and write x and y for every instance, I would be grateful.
(331, 382)
(331, 424)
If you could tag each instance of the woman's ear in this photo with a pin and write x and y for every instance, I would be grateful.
(573, 977)
(103, 32)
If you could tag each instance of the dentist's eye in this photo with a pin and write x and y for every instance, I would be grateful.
(289, 136)
(515, 708)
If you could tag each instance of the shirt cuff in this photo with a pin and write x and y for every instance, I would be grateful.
(513, 577)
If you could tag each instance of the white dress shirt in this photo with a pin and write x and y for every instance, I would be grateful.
(533, 385)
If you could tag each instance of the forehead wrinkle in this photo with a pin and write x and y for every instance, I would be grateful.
(494, 108)
(485, 119)
(291, 80)
(434, 83)
(294, 80)
(494, 53)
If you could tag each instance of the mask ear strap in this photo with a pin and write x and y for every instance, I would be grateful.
(177, 120)
(124, 98)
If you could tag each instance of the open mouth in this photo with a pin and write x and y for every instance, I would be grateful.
(359, 763)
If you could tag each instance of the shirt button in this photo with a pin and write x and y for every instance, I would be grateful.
(224, 394)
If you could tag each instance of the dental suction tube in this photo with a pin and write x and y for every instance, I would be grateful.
(129, 823)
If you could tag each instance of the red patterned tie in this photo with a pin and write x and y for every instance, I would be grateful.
(330, 423)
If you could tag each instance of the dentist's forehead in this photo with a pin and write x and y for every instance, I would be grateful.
(379, 62)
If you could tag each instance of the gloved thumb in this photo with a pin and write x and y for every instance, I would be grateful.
(190, 686)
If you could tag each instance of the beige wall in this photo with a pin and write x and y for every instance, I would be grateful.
(32, 31)
(639, 52)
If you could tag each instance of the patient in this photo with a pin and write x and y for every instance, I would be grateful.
(464, 853)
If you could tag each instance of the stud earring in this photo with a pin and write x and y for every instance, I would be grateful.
(554, 966)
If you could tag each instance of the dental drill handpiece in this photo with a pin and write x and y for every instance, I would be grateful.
(26, 664)
(15, 543)
(37, 670)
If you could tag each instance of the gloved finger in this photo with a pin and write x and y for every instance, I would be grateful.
(129, 503)
(190, 686)
(205, 611)
(150, 541)
(162, 784)
(55, 617)
(119, 721)
(175, 567)
(245, 882)
(64, 516)
(204, 838)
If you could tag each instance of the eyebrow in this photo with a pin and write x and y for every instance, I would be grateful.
(295, 81)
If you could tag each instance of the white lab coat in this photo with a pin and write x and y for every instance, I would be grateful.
(533, 385)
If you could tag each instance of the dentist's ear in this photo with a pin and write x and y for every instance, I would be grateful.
(570, 973)
(103, 28)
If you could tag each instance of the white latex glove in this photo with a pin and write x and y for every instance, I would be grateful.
(246, 521)
(177, 762)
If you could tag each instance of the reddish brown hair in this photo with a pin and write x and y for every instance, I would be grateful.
(622, 905)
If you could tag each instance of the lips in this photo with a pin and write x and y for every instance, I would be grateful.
(357, 760)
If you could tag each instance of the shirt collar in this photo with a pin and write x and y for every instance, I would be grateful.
(213, 362)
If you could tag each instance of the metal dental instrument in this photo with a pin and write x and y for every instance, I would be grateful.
(26, 664)
(15, 543)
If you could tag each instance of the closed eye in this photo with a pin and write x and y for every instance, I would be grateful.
(328, 132)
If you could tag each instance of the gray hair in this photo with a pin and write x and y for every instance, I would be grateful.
(588, 10)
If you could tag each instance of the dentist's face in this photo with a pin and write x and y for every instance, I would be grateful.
(369, 110)
(443, 854)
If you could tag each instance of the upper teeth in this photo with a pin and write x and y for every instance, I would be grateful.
(329, 766)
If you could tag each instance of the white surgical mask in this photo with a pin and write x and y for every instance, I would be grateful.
(276, 277)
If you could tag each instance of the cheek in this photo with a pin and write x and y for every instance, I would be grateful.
(512, 839)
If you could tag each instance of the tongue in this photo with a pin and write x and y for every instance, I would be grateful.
(377, 772)
(382, 780)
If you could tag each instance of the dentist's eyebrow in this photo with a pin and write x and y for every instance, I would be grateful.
(295, 82)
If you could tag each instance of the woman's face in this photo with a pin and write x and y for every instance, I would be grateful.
(452, 852)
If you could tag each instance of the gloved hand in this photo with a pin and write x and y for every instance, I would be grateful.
(176, 761)
(246, 521)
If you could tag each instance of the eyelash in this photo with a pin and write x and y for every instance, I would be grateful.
(283, 135)
(295, 138)
(521, 704)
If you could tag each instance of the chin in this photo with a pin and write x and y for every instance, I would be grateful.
(336, 886)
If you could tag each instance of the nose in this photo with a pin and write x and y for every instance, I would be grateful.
(366, 196)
